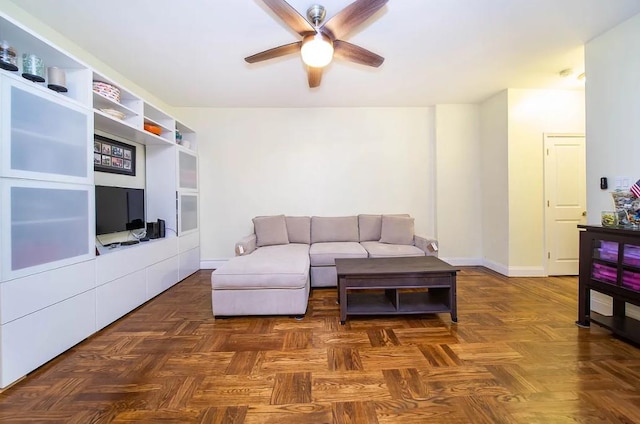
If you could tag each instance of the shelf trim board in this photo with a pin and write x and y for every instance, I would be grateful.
(625, 327)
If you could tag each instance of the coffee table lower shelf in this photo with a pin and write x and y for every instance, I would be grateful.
(407, 303)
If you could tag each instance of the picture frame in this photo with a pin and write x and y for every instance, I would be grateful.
(113, 156)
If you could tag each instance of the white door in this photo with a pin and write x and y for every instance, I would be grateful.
(565, 200)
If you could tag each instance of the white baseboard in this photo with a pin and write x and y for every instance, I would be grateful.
(601, 303)
(212, 263)
(494, 266)
(515, 271)
(463, 261)
(633, 311)
(526, 271)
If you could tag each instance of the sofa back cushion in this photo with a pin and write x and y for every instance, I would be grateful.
(370, 226)
(299, 229)
(397, 229)
(335, 228)
(270, 230)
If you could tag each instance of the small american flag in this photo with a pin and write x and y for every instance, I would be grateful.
(635, 188)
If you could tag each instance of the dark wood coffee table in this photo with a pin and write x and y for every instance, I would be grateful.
(390, 286)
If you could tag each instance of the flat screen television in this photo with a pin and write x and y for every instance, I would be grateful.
(119, 209)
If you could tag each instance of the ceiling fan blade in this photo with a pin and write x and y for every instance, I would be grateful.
(353, 53)
(290, 16)
(352, 16)
(275, 52)
(315, 76)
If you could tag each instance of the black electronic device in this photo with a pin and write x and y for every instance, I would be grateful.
(156, 229)
(152, 230)
(119, 209)
(603, 183)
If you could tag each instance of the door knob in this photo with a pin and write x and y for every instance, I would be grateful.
(584, 213)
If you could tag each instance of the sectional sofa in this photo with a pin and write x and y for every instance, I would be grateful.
(276, 266)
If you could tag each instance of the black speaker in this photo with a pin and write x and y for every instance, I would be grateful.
(156, 229)
(161, 228)
(152, 230)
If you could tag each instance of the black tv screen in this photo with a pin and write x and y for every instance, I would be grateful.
(119, 209)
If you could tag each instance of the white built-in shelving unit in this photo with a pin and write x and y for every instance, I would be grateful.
(54, 290)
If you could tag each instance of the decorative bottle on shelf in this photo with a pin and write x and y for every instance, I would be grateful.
(8, 57)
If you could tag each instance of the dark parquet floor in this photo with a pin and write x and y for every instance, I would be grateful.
(514, 357)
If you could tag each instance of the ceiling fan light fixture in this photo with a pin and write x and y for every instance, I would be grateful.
(317, 50)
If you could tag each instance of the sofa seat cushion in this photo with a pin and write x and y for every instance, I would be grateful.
(325, 254)
(385, 250)
(268, 267)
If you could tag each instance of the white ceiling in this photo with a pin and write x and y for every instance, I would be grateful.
(190, 53)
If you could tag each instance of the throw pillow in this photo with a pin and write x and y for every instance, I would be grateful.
(270, 230)
(397, 230)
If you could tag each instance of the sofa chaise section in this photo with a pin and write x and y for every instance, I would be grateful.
(272, 280)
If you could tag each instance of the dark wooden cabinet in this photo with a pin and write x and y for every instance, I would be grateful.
(610, 264)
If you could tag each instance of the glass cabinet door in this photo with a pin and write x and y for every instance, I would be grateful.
(45, 225)
(187, 171)
(187, 213)
(44, 136)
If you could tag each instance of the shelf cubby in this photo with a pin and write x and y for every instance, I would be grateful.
(608, 265)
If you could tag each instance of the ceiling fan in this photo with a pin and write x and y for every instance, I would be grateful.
(321, 42)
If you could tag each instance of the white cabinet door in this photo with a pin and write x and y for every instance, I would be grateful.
(44, 136)
(45, 226)
(32, 340)
(189, 262)
(118, 297)
(22, 296)
(162, 275)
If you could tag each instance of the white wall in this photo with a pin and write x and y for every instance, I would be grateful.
(613, 108)
(121, 180)
(612, 63)
(495, 182)
(318, 161)
(458, 188)
(512, 128)
(531, 114)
